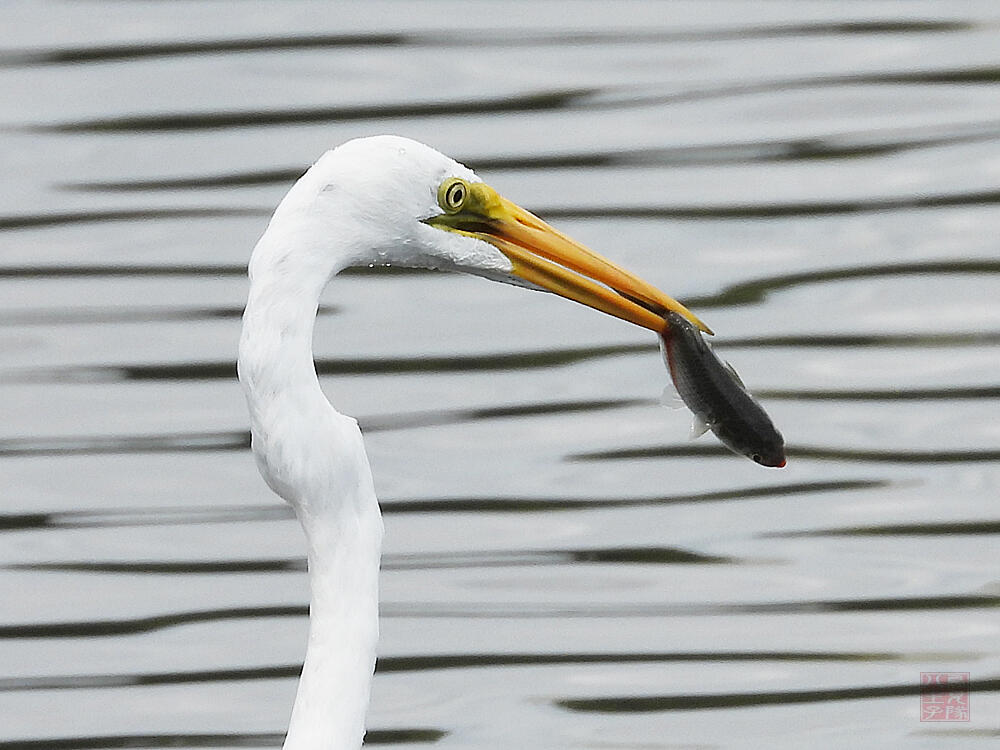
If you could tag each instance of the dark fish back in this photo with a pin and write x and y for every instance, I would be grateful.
(715, 394)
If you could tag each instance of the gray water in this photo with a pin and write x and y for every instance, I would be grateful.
(564, 568)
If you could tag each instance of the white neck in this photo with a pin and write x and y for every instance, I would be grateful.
(314, 458)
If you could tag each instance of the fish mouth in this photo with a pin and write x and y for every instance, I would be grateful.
(547, 258)
(775, 460)
(773, 463)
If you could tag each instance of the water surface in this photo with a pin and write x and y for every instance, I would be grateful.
(563, 567)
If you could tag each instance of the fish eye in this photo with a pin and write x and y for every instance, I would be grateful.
(452, 195)
(756, 458)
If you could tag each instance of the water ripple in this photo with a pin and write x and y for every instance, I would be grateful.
(801, 451)
(109, 445)
(267, 739)
(515, 610)
(226, 369)
(126, 517)
(944, 62)
(839, 146)
(131, 626)
(469, 38)
(511, 361)
(124, 314)
(53, 219)
(569, 99)
(228, 180)
(71, 271)
(648, 703)
(185, 121)
(436, 662)
(535, 505)
(239, 440)
(440, 560)
(941, 528)
(890, 394)
(153, 49)
(504, 611)
(775, 210)
(852, 340)
(732, 211)
(437, 417)
(756, 291)
(170, 567)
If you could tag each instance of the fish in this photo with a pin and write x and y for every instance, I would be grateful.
(715, 394)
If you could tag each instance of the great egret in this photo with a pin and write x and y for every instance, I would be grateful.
(383, 199)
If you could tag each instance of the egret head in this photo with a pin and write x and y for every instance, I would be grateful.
(394, 200)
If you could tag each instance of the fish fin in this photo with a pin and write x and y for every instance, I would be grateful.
(698, 428)
(664, 352)
(736, 376)
(670, 398)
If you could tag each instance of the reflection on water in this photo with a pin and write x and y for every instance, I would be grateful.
(50, 219)
(388, 665)
(855, 145)
(264, 739)
(802, 451)
(733, 700)
(562, 568)
(471, 38)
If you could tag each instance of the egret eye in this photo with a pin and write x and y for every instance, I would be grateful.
(452, 194)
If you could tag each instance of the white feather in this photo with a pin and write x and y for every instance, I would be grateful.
(360, 203)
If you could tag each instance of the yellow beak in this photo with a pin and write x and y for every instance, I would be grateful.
(549, 259)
